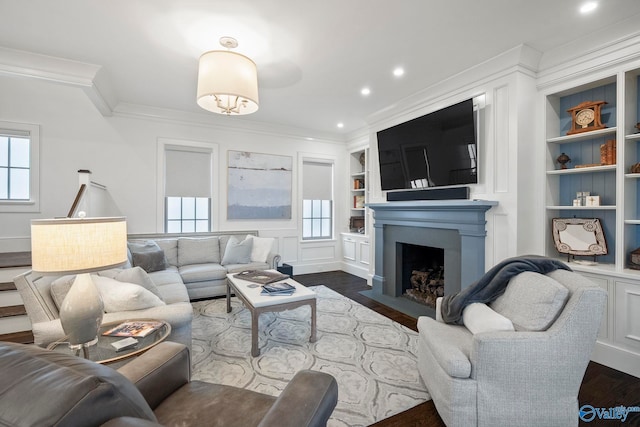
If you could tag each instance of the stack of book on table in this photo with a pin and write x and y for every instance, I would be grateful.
(274, 289)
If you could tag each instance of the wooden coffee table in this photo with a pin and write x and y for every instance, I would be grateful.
(257, 304)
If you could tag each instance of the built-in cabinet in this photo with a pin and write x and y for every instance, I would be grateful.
(356, 255)
(601, 163)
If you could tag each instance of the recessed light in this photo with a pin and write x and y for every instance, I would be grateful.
(365, 91)
(399, 71)
(588, 7)
(340, 125)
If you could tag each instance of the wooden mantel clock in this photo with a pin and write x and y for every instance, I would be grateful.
(585, 117)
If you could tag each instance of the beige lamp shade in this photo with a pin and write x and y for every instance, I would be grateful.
(227, 83)
(75, 245)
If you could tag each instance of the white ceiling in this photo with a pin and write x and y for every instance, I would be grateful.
(313, 58)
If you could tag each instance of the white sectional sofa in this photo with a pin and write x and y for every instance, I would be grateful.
(191, 267)
(197, 259)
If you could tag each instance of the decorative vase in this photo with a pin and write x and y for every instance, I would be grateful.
(563, 159)
(81, 312)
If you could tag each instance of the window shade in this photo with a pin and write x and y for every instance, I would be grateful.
(317, 180)
(187, 172)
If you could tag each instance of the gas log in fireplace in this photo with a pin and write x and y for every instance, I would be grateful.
(455, 229)
(422, 273)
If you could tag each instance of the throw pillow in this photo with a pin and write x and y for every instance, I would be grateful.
(198, 251)
(135, 275)
(478, 318)
(121, 296)
(147, 255)
(532, 301)
(237, 252)
(261, 248)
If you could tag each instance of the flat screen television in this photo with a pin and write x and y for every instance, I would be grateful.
(435, 150)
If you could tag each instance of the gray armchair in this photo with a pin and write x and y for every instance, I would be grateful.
(514, 378)
(44, 388)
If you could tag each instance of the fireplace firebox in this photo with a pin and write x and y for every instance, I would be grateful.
(422, 273)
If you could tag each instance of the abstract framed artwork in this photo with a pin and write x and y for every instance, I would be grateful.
(259, 186)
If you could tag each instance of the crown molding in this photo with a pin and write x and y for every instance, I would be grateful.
(94, 81)
(597, 59)
(521, 59)
(221, 123)
(89, 77)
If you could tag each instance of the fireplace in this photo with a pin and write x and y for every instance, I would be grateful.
(454, 228)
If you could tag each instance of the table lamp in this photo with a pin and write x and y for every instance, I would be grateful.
(79, 246)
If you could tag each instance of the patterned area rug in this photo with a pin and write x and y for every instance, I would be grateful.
(372, 358)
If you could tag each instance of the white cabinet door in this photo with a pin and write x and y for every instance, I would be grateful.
(363, 257)
(627, 315)
(349, 249)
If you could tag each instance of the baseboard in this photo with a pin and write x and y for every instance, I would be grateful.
(314, 268)
(362, 272)
(617, 358)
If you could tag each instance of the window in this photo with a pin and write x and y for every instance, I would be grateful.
(187, 195)
(317, 200)
(187, 214)
(19, 167)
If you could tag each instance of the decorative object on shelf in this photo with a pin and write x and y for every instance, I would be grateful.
(587, 165)
(358, 202)
(563, 159)
(635, 168)
(356, 224)
(579, 236)
(79, 246)
(358, 184)
(227, 81)
(608, 152)
(581, 197)
(638, 127)
(586, 117)
(634, 259)
(361, 159)
(592, 201)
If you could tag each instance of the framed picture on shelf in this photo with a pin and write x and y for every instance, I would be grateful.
(356, 223)
(579, 236)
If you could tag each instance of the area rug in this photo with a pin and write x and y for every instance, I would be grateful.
(372, 358)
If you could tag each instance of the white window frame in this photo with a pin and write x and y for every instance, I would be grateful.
(161, 149)
(33, 204)
(306, 157)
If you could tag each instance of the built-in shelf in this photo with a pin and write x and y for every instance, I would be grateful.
(582, 208)
(590, 169)
(582, 136)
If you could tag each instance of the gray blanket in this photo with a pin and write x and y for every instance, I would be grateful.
(493, 283)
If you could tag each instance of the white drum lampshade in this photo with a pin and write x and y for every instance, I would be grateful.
(227, 81)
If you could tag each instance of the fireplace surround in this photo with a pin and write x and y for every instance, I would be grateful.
(457, 226)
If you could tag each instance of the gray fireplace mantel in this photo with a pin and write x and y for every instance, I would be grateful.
(466, 217)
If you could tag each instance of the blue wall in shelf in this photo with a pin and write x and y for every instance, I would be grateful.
(601, 184)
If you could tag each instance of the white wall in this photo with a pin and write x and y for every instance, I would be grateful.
(121, 152)
(507, 83)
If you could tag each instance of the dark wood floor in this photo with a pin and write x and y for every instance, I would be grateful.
(602, 387)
